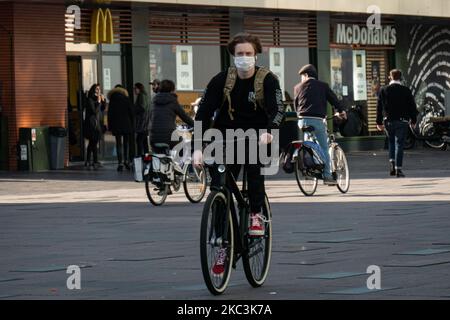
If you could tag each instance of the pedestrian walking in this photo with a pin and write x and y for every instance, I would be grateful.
(396, 108)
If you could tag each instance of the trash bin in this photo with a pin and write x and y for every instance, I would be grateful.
(57, 147)
(33, 149)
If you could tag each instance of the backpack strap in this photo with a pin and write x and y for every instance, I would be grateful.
(229, 85)
(259, 86)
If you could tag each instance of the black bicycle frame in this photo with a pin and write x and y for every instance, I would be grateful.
(229, 187)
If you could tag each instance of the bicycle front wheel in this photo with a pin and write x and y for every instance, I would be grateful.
(307, 184)
(216, 243)
(256, 259)
(341, 169)
(194, 183)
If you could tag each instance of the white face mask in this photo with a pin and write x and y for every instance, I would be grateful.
(244, 63)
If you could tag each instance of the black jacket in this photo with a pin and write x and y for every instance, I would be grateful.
(120, 112)
(93, 123)
(311, 98)
(246, 116)
(142, 113)
(163, 115)
(396, 101)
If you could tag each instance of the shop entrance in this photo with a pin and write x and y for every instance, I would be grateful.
(81, 73)
(74, 109)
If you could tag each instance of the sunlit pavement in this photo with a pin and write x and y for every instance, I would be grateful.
(322, 245)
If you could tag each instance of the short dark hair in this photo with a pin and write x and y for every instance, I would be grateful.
(167, 86)
(140, 86)
(395, 74)
(245, 38)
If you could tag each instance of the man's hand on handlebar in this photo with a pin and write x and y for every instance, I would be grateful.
(197, 159)
(266, 138)
(341, 115)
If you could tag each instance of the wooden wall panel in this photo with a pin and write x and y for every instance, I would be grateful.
(7, 76)
(380, 58)
(39, 69)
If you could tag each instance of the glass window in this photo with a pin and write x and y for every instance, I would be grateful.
(347, 72)
(111, 47)
(89, 67)
(205, 60)
(111, 73)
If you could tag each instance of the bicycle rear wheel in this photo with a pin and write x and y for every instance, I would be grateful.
(307, 184)
(341, 169)
(194, 184)
(213, 238)
(157, 194)
(437, 143)
(256, 259)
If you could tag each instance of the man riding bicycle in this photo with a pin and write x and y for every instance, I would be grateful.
(246, 97)
(311, 96)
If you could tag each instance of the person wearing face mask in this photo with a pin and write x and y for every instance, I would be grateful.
(311, 97)
(243, 97)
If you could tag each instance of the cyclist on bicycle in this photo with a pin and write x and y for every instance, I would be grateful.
(311, 96)
(163, 115)
(246, 97)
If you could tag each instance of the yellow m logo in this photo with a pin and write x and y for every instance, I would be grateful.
(102, 27)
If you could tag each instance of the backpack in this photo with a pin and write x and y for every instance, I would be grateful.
(258, 84)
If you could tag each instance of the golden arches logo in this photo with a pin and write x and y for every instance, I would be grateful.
(102, 30)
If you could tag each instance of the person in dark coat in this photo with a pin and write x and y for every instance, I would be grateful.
(142, 114)
(396, 109)
(164, 112)
(121, 124)
(93, 123)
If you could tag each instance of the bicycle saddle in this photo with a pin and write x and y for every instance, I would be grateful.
(161, 145)
(308, 129)
(161, 148)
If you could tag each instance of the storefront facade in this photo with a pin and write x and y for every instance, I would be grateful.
(43, 82)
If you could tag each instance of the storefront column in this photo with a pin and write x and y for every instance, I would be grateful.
(236, 26)
(140, 46)
(323, 52)
(323, 46)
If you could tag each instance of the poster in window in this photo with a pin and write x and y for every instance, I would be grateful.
(184, 57)
(359, 75)
(277, 65)
(185, 77)
(336, 72)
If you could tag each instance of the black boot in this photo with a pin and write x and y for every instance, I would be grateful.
(392, 172)
(400, 174)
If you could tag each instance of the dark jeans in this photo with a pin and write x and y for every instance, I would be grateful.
(142, 143)
(92, 149)
(396, 131)
(255, 179)
(123, 148)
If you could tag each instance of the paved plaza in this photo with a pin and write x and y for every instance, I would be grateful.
(322, 245)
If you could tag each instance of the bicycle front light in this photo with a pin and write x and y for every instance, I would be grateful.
(221, 168)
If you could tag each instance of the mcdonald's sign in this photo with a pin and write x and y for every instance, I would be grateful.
(102, 30)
